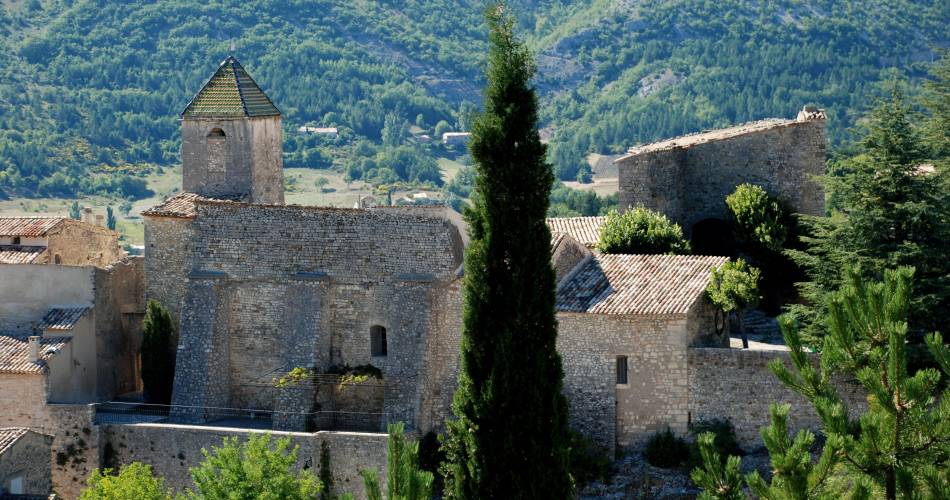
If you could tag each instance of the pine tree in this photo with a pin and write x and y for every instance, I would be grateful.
(898, 447)
(719, 480)
(158, 354)
(891, 215)
(937, 101)
(509, 439)
(907, 426)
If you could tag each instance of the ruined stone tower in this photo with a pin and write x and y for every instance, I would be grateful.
(231, 140)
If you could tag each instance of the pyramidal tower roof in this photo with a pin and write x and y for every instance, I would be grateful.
(230, 93)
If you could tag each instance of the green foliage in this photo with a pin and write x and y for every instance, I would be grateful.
(406, 481)
(589, 460)
(795, 475)
(665, 449)
(725, 438)
(641, 231)
(719, 480)
(734, 286)
(937, 100)
(326, 473)
(906, 430)
(253, 469)
(74, 212)
(567, 202)
(510, 435)
(891, 215)
(110, 218)
(87, 86)
(134, 480)
(158, 354)
(757, 218)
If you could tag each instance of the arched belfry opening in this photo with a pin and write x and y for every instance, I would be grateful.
(712, 237)
(216, 150)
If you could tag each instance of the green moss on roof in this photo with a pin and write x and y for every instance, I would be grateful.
(230, 92)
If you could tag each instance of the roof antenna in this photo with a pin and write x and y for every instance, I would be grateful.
(231, 48)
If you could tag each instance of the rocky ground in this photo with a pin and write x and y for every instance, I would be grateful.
(633, 478)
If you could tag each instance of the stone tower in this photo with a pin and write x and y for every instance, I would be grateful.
(231, 140)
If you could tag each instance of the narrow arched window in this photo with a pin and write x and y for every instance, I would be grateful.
(377, 340)
(216, 150)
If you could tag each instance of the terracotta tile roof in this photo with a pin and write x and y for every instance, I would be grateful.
(17, 254)
(28, 226)
(62, 319)
(586, 230)
(230, 92)
(9, 435)
(181, 205)
(637, 284)
(689, 140)
(14, 353)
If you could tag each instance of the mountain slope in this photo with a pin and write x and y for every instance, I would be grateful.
(88, 87)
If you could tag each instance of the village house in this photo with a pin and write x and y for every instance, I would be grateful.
(25, 467)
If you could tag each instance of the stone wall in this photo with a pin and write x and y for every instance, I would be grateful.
(246, 162)
(119, 310)
(736, 384)
(271, 288)
(169, 249)
(83, 244)
(75, 451)
(29, 290)
(171, 450)
(689, 182)
(28, 459)
(656, 393)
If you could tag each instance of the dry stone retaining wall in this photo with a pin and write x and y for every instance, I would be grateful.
(736, 384)
(172, 449)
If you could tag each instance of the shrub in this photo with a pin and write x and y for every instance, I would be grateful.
(641, 231)
(725, 441)
(253, 469)
(757, 218)
(135, 480)
(666, 450)
(589, 460)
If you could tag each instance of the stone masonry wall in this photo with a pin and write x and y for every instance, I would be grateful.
(736, 384)
(169, 249)
(81, 244)
(690, 183)
(249, 162)
(171, 450)
(119, 310)
(656, 395)
(272, 288)
(260, 242)
(75, 440)
(28, 458)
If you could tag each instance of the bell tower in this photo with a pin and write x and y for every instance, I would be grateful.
(231, 140)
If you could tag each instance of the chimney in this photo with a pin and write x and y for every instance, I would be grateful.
(87, 215)
(100, 220)
(34, 348)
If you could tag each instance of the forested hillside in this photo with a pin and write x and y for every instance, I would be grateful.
(90, 91)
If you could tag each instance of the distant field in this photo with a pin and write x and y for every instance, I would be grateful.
(303, 186)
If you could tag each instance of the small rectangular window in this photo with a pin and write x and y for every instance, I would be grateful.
(377, 336)
(621, 370)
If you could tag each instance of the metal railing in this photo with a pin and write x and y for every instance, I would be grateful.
(137, 413)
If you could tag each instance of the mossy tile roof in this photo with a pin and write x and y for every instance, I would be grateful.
(230, 93)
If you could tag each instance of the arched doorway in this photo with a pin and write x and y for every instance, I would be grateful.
(712, 237)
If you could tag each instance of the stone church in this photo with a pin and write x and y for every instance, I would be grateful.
(259, 288)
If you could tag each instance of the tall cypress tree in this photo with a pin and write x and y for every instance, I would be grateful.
(509, 437)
